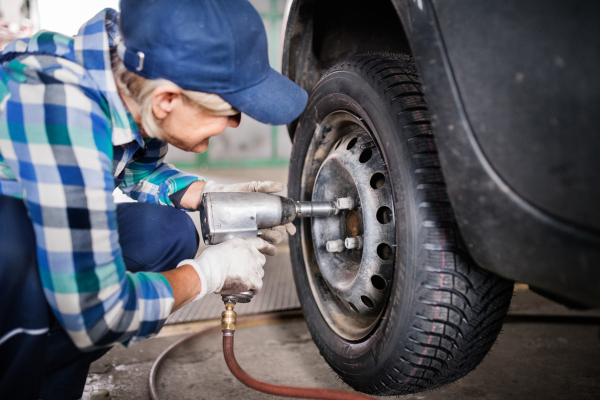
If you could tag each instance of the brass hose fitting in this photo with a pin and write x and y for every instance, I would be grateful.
(228, 317)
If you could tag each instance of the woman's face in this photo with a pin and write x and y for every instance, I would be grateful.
(184, 124)
(189, 128)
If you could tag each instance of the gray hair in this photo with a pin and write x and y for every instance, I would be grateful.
(140, 89)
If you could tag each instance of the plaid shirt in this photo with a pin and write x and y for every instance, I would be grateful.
(66, 138)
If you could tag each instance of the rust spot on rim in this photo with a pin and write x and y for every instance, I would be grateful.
(352, 224)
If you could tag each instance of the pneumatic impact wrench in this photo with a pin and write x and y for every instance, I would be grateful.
(229, 215)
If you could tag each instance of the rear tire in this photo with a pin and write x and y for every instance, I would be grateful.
(442, 312)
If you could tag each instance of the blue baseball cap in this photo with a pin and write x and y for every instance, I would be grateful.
(210, 46)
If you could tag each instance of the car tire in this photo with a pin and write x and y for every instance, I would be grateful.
(440, 312)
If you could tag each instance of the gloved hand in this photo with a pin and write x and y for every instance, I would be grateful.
(274, 235)
(231, 267)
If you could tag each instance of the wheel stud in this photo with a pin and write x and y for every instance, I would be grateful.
(345, 203)
(335, 246)
(354, 242)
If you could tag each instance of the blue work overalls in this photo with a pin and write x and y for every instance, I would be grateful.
(37, 358)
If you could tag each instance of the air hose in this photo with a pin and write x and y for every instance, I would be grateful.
(228, 325)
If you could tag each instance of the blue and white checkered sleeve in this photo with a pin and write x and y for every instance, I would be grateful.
(56, 138)
(151, 180)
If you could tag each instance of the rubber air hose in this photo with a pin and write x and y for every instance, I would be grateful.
(241, 375)
(277, 390)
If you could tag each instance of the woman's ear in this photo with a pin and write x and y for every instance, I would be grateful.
(164, 99)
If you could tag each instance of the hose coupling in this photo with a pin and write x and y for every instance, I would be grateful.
(228, 317)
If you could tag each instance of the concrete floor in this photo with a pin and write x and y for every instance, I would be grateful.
(534, 358)
(548, 359)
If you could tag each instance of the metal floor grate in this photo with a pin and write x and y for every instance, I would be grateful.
(278, 293)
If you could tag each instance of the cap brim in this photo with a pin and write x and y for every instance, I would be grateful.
(276, 100)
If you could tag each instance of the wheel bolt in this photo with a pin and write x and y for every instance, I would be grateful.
(335, 246)
(345, 203)
(354, 242)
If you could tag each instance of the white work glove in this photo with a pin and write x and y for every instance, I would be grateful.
(233, 266)
(273, 235)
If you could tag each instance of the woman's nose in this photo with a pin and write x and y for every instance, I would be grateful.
(234, 120)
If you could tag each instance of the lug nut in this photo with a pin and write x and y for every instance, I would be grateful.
(345, 203)
(335, 246)
(354, 242)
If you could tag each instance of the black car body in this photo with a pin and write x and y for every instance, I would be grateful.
(514, 93)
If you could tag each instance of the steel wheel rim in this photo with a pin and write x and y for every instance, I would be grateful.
(351, 289)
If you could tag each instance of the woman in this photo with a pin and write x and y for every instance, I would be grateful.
(81, 116)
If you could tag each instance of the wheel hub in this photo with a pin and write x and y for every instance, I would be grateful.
(356, 281)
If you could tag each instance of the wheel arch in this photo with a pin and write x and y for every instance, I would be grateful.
(318, 33)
